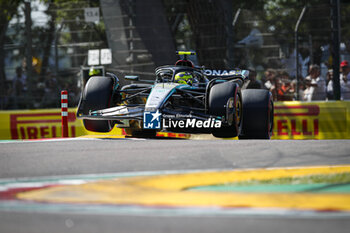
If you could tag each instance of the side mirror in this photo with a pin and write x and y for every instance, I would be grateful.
(132, 77)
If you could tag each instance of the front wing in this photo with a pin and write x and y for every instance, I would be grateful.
(120, 113)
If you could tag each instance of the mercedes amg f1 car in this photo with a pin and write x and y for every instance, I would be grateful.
(183, 98)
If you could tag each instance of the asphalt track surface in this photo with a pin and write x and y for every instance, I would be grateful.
(88, 156)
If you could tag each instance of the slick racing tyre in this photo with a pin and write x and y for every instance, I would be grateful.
(225, 100)
(97, 95)
(257, 114)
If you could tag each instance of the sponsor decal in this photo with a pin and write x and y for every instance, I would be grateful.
(191, 123)
(38, 125)
(222, 72)
(296, 127)
(151, 120)
(300, 110)
(300, 120)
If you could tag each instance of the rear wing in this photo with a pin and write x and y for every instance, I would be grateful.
(226, 74)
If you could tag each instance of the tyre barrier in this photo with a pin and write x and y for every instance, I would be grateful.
(293, 120)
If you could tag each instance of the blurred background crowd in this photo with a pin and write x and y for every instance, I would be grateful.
(313, 87)
(44, 44)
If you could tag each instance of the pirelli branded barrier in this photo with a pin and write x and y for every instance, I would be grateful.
(293, 120)
(312, 120)
(35, 124)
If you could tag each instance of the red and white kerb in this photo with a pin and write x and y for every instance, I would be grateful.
(64, 113)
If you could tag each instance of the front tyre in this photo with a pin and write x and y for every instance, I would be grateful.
(97, 95)
(225, 100)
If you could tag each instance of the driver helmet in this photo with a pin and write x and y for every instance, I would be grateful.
(184, 78)
(93, 71)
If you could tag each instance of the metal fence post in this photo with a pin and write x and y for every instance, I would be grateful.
(297, 73)
(335, 26)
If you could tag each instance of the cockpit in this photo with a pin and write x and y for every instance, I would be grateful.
(180, 74)
(183, 72)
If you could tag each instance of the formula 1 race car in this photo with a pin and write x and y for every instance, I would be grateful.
(183, 98)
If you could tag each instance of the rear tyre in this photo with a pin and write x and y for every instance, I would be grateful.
(257, 114)
(97, 95)
(221, 95)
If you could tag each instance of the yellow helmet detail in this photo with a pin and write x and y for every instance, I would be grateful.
(93, 71)
(183, 78)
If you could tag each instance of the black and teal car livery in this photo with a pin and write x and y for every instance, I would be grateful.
(210, 101)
